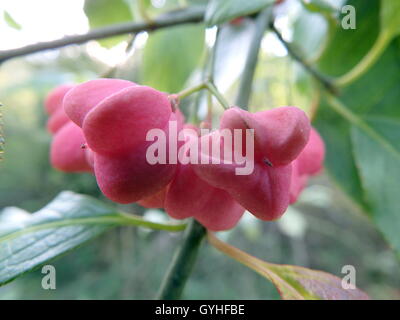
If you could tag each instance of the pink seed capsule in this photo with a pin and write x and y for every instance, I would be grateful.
(264, 192)
(66, 153)
(308, 163)
(86, 96)
(280, 134)
(121, 121)
(54, 99)
(190, 196)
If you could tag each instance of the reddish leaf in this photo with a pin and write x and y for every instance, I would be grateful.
(293, 282)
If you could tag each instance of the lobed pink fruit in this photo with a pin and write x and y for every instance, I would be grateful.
(87, 95)
(180, 117)
(53, 105)
(129, 177)
(154, 201)
(115, 117)
(297, 183)
(66, 153)
(308, 163)
(54, 99)
(120, 122)
(311, 159)
(264, 193)
(89, 154)
(280, 133)
(57, 120)
(157, 200)
(190, 196)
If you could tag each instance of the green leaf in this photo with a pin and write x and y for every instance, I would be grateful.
(389, 29)
(105, 12)
(29, 240)
(389, 16)
(309, 34)
(378, 162)
(319, 6)
(65, 223)
(10, 21)
(222, 11)
(360, 126)
(170, 56)
(342, 41)
(292, 282)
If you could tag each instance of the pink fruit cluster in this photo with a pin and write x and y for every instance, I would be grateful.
(111, 118)
(66, 153)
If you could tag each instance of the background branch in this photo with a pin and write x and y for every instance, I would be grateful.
(172, 18)
(324, 80)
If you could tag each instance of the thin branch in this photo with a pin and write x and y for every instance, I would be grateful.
(176, 17)
(215, 92)
(246, 80)
(324, 80)
(189, 91)
(182, 263)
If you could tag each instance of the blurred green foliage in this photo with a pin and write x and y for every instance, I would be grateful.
(101, 13)
(363, 155)
(175, 51)
(322, 231)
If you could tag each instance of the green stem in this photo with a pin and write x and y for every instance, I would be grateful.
(207, 76)
(182, 262)
(215, 92)
(369, 59)
(187, 92)
(210, 86)
(247, 77)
